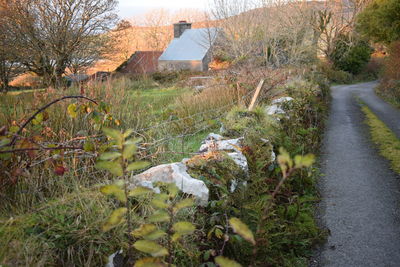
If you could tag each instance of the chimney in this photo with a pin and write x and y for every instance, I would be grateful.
(180, 27)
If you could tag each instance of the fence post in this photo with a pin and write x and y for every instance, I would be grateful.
(256, 94)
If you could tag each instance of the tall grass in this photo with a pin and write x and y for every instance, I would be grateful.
(172, 120)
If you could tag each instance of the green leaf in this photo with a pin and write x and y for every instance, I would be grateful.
(139, 191)
(184, 228)
(173, 190)
(149, 262)
(113, 167)
(242, 229)
(138, 165)
(114, 190)
(133, 141)
(284, 160)
(128, 132)
(144, 229)
(72, 111)
(225, 262)
(159, 216)
(185, 203)
(38, 119)
(175, 237)
(116, 217)
(89, 146)
(155, 235)
(148, 232)
(13, 129)
(304, 161)
(159, 201)
(110, 155)
(129, 151)
(115, 135)
(4, 142)
(151, 248)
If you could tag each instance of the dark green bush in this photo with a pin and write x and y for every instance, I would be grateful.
(350, 56)
(333, 75)
(165, 77)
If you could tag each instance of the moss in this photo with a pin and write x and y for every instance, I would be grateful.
(388, 143)
(217, 170)
(240, 122)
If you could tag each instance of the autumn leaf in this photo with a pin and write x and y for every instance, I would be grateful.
(151, 248)
(242, 229)
(72, 111)
(225, 262)
(115, 218)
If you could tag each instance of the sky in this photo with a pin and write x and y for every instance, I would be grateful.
(130, 8)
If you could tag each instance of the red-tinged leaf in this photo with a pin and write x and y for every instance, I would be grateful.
(60, 170)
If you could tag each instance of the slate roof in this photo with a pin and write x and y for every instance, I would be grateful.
(192, 45)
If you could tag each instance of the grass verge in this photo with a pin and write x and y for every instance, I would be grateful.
(387, 141)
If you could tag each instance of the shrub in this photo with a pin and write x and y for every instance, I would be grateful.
(333, 75)
(390, 86)
(350, 56)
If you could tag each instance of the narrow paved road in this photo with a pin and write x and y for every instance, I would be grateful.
(360, 194)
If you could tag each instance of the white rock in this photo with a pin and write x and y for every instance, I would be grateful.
(282, 100)
(228, 145)
(213, 136)
(240, 160)
(274, 110)
(111, 258)
(276, 106)
(221, 145)
(174, 173)
(273, 156)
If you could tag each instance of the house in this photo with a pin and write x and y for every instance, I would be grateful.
(76, 79)
(141, 62)
(100, 76)
(191, 49)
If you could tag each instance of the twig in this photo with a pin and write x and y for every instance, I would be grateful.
(12, 143)
(40, 148)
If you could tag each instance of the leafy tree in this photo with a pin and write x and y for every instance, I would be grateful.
(350, 55)
(380, 21)
(53, 35)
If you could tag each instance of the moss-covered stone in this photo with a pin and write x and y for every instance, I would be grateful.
(240, 121)
(217, 170)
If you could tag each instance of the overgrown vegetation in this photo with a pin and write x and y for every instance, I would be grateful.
(389, 88)
(379, 23)
(284, 235)
(384, 138)
(350, 55)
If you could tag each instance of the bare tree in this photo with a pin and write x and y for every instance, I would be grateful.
(9, 67)
(53, 35)
(332, 19)
(240, 26)
(269, 32)
(157, 33)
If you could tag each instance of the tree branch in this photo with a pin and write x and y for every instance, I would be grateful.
(12, 143)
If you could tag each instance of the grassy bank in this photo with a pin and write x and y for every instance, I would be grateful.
(387, 142)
